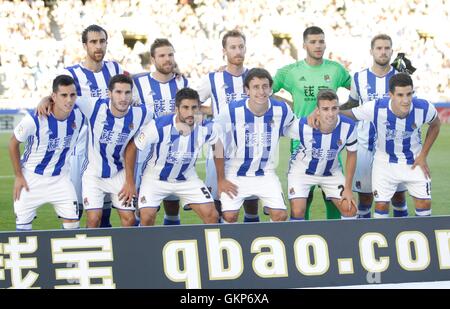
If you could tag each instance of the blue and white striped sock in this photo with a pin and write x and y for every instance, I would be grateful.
(172, 220)
(296, 219)
(423, 212)
(251, 217)
(400, 209)
(363, 211)
(381, 214)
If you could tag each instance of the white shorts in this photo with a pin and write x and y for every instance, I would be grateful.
(96, 188)
(387, 176)
(138, 180)
(362, 181)
(154, 191)
(76, 165)
(267, 188)
(57, 190)
(299, 185)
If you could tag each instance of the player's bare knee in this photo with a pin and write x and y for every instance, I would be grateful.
(365, 198)
(278, 215)
(127, 218)
(230, 216)
(398, 198)
(422, 204)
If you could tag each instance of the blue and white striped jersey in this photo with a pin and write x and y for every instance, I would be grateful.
(398, 139)
(366, 86)
(318, 152)
(251, 142)
(48, 142)
(159, 97)
(222, 88)
(91, 85)
(108, 135)
(173, 155)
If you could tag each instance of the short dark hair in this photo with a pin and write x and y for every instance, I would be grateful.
(232, 34)
(326, 94)
(119, 78)
(380, 37)
(257, 73)
(400, 80)
(186, 93)
(62, 80)
(312, 30)
(92, 28)
(159, 43)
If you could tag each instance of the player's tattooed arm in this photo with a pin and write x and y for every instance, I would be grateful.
(223, 185)
(20, 182)
(349, 104)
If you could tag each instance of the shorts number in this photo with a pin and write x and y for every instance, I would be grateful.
(206, 192)
(341, 187)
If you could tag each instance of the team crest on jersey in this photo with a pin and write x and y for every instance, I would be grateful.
(143, 200)
(414, 126)
(85, 202)
(20, 130)
(291, 191)
(88, 82)
(141, 137)
(375, 193)
(327, 78)
(302, 79)
(131, 126)
(339, 142)
(74, 125)
(358, 185)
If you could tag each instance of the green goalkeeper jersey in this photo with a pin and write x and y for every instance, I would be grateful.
(304, 81)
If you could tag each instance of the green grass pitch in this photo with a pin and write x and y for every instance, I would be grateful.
(438, 161)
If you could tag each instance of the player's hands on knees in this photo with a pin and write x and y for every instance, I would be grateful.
(228, 187)
(348, 203)
(19, 184)
(127, 194)
(313, 119)
(422, 162)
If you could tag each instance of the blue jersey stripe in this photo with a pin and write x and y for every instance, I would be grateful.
(127, 122)
(334, 146)
(106, 73)
(312, 167)
(93, 118)
(268, 122)
(192, 141)
(407, 141)
(92, 82)
(174, 146)
(116, 66)
(36, 122)
(233, 121)
(53, 127)
(173, 92)
(229, 86)
(390, 150)
(249, 131)
(109, 125)
(372, 83)
(155, 86)
(214, 92)
(28, 149)
(356, 79)
(62, 158)
(138, 85)
(77, 82)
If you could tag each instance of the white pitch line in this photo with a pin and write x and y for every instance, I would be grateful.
(6, 176)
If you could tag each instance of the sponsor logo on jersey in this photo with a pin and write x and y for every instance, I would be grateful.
(74, 125)
(327, 78)
(291, 191)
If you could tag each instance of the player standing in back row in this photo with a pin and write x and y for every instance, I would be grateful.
(157, 91)
(367, 85)
(304, 79)
(222, 87)
(91, 77)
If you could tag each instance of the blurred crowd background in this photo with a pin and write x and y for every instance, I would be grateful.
(40, 38)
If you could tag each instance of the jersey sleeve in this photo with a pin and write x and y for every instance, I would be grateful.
(431, 113)
(293, 130)
(86, 105)
(279, 80)
(25, 128)
(345, 78)
(354, 94)
(148, 134)
(365, 111)
(352, 139)
(289, 120)
(204, 89)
